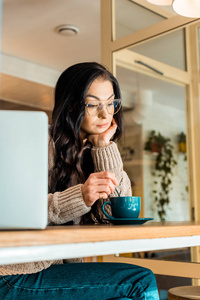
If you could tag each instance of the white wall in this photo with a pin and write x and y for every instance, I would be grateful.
(169, 122)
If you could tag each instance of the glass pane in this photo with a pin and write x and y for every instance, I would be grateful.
(154, 148)
(169, 49)
(131, 16)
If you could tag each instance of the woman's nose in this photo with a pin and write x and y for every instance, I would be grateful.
(103, 113)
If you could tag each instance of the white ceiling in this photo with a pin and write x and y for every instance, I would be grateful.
(33, 54)
(28, 31)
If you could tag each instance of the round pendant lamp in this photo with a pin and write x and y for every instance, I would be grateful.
(187, 8)
(160, 2)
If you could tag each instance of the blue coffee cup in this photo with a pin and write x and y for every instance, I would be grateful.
(123, 207)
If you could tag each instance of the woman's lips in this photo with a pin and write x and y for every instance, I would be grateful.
(102, 125)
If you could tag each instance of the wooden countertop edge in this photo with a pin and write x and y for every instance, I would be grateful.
(96, 233)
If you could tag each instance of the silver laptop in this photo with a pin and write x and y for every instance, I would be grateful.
(23, 169)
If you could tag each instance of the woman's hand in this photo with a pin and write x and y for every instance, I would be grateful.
(102, 183)
(103, 139)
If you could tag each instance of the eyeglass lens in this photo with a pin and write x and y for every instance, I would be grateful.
(112, 107)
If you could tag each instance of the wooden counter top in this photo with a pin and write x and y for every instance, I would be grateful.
(54, 235)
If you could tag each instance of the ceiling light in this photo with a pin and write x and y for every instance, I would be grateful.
(67, 30)
(186, 8)
(161, 2)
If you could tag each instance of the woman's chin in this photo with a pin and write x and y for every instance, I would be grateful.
(100, 130)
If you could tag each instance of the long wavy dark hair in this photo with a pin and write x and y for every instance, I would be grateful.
(68, 113)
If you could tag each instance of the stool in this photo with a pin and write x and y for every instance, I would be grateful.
(184, 293)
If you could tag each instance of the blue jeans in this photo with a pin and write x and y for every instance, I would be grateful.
(83, 281)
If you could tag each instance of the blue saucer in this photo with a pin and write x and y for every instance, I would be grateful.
(128, 221)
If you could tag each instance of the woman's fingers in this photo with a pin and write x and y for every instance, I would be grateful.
(103, 185)
(98, 185)
(102, 195)
(109, 133)
(106, 175)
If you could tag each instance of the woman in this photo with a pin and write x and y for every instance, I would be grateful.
(85, 167)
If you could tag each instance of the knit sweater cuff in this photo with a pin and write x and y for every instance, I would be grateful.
(106, 158)
(71, 202)
(66, 206)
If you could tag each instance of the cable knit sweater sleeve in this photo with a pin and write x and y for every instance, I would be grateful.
(109, 159)
(66, 206)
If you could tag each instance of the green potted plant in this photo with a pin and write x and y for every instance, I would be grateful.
(155, 142)
(163, 170)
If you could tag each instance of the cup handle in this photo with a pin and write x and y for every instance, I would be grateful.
(105, 213)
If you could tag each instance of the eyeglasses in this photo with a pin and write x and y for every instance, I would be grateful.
(112, 106)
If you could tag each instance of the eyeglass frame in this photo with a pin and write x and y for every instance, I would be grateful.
(100, 107)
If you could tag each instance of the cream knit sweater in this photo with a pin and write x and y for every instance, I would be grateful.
(69, 205)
